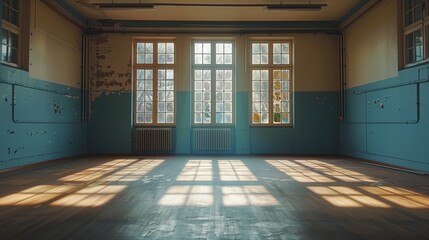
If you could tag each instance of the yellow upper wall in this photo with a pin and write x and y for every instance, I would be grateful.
(372, 46)
(55, 47)
(315, 60)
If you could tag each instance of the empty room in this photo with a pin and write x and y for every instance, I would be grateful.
(214, 119)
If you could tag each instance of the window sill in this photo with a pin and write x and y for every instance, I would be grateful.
(9, 64)
(416, 64)
(272, 126)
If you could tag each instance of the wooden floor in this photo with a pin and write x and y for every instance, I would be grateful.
(212, 198)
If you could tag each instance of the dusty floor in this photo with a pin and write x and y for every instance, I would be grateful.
(212, 198)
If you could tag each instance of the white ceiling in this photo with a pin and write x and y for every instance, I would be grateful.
(333, 12)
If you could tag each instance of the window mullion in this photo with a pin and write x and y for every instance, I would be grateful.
(270, 95)
(212, 68)
(155, 96)
(213, 95)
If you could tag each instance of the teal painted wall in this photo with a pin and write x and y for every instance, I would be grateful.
(109, 127)
(315, 130)
(389, 123)
(39, 120)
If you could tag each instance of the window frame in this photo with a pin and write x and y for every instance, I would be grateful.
(270, 66)
(17, 30)
(155, 66)
(213, 67)
(422, 25)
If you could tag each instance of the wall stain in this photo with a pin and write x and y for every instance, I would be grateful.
(101, 74)
(58, 109)
(32, 133)
(379, 103)
(101, 57)
(101, 39)
(11, 151)
(110, 65)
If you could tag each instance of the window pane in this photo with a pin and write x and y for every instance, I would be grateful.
(223, 87)
(140, 47)
(165, 96)
(419, 45)
(414, 47)
(5, 36)
(10, 46)
(14, 4)
(427, 41)
(202, 92)
(13, 55)
(165, 53)
(281, 53)
(5, 12)
(145, 53)
(259, 53)
(413, 10)
(14, 17)
(144, 98)
(161, 48)
(418, 12)
(223, 53)
(169, 118)
(4, 52)
(281, 99)
(202, 53)
(259, 88)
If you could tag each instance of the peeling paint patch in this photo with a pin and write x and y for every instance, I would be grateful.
(32, 133)
(101, 39)
(110, 65)
(12, 151)
(11, 132)
(68, 95)
(57, 108)
(321, 100)
(378, 103)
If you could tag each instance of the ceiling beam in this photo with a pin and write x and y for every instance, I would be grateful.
(117, 5)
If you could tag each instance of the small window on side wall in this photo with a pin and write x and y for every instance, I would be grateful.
(11, 31)
(416, 31)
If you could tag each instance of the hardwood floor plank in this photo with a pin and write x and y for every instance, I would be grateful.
(213, 198)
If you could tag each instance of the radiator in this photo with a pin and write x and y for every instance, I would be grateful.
(154, 140)
(212, 139)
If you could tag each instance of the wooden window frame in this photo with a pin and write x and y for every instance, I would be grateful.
(213, 67)
(155, 66)
(271, 67)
